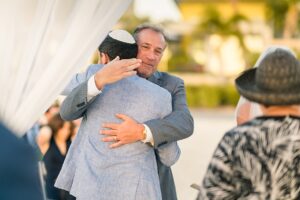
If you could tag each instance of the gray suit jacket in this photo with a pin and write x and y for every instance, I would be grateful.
(91, 168)
(176, 126)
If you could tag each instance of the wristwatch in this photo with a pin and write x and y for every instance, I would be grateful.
(144, 133)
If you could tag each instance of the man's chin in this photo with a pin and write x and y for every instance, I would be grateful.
(143, 74)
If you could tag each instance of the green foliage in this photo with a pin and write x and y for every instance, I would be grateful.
(229, 95)
(251, 59)
(211, 96)
(276, 12)
(180, 61)
(129, 21)
(213, 23)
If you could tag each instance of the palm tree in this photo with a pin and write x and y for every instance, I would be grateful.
(214, 24)
(291, 20)
(283, 16)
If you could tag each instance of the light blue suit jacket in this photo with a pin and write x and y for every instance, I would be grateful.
(92, 170)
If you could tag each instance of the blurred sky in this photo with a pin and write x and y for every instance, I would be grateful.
(157, 10)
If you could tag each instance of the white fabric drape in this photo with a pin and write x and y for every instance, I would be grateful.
(42, 44)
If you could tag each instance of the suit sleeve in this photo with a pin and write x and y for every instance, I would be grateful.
(80, 78)
(169, 153)
(177, 125)
(76, 103)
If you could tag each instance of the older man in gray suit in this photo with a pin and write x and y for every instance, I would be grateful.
(176, 126)
(92, 170)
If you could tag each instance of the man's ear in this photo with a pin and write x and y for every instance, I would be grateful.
(103, 58)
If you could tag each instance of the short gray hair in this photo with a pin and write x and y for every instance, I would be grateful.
(155, 28)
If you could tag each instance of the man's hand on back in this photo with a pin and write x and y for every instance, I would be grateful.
(128, 131)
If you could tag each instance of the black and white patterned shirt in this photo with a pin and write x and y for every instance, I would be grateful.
(258, 160)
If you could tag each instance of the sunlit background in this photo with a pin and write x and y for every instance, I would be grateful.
(212, 41)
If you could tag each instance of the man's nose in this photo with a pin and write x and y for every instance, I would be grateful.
(150, 55)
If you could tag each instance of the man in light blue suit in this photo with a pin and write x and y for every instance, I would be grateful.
(91, 169)
(176, 126)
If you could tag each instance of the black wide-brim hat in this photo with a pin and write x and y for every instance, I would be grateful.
(275, 81)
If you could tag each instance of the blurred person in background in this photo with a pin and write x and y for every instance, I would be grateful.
(54, 145)
(31, 134)
(19, 177)
(260, 159)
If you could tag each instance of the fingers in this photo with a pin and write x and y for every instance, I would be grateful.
(116, 144)
(122, 116)
(109, 132)
(115, 59)
(127, 74)
(129, 64)
(131, 61)
(126, 62)
(119, 69)
(133, 66)
(109, 139)
(110, 125)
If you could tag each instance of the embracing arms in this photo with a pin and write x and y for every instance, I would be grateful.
(79, 98)
(177, 125)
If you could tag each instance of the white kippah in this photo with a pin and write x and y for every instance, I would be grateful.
(122, 35)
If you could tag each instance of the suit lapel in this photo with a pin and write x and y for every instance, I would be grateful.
(156, 78)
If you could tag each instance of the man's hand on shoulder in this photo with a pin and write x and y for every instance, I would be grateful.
(116, 70)
(128, 131)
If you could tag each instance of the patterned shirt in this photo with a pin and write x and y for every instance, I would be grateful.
(258, 160)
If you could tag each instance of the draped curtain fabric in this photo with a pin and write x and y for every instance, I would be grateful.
(42, 44)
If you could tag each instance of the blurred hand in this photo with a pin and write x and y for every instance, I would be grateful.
(128, 131)
(116, 70)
